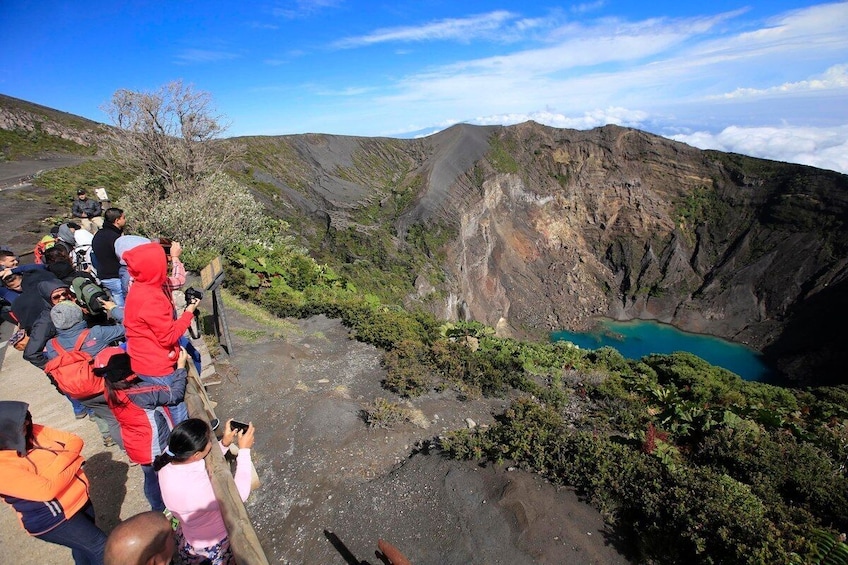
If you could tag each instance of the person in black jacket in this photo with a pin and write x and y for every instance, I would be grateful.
(103, 251)
(42, 329)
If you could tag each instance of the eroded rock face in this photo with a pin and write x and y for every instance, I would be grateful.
(17, 117)
(619, 223)
(556, 227)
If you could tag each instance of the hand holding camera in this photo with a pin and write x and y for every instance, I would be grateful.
(240, 431)
(107, 305)
(193, 296)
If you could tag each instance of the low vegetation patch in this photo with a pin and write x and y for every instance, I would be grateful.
(91, 174)
(385, 414)
(20, 144)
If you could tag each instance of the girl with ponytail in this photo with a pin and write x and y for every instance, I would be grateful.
(187, 490)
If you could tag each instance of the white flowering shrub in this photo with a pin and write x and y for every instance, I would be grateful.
(218, 216)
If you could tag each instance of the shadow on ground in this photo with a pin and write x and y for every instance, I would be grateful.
(108, 479)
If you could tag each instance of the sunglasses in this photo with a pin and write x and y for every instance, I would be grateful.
(59, 296)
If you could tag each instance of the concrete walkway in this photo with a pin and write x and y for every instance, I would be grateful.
(116, 486)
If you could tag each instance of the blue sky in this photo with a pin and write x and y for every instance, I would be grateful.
(767, 78)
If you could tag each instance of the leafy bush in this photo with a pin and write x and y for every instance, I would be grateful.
(219, 216)
(407, 369)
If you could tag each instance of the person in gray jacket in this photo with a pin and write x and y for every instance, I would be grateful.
(69, 321)
(88, 211)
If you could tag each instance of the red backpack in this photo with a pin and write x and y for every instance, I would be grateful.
(72, 372)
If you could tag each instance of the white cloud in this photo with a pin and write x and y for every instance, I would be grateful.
(833, 78)
(826, 148)
(587, 7)
(588, 65)
(457, 29)
(303, 8)
(590, 119)
(199, 56)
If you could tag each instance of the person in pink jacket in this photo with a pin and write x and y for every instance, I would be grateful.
(152, 332)
(187, 491)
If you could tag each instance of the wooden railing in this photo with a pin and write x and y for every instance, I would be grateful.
(243, 540)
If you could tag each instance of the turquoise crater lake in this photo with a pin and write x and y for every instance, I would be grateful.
(637, 338)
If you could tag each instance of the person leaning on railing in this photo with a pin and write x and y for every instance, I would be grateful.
(187, 489)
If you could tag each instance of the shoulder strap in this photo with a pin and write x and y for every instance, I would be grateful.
(81, 339)
(59, 349)
(77, 346)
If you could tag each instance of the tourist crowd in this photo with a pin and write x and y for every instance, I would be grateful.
(96, 312)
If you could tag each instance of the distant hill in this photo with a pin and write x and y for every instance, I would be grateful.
(28, 130)
(530, 229)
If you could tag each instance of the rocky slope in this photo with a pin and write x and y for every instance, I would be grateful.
(555, 227)
(30, 121)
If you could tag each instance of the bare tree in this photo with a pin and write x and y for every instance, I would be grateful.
(167, 136)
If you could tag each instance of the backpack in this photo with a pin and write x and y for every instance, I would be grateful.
(88, 295)
(72, 372)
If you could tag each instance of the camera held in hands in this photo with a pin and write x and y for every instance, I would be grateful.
(235, 425)
(193, 295)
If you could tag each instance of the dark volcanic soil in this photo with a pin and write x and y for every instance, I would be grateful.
(332, 486)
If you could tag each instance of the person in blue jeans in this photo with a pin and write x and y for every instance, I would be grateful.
(103, 253)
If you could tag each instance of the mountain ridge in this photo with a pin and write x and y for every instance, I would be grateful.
(543, 229)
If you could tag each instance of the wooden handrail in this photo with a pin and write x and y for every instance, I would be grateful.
(243, 539)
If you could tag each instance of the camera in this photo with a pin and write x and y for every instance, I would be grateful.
(193, 295)
(165, 242)
(235, 425)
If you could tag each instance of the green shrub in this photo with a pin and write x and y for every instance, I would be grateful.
(218, 215)
(407, 369)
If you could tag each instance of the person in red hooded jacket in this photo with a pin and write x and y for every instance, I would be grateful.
(152, 332)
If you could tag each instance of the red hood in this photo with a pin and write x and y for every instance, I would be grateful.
(147, 264)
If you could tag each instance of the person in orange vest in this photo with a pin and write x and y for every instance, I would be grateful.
(41, 477)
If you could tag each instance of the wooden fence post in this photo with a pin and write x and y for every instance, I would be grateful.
(212, 275)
